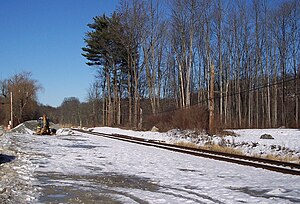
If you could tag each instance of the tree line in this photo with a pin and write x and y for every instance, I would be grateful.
(25, 106)
(24, 94)
(180, 61)
(237, 58)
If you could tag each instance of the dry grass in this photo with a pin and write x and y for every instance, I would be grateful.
(223, 149)
(67, 125)
(224, 133)
(187, 144)
(289, 159)
(231, 150)
(217, 148)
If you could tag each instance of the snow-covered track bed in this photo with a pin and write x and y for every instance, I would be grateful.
(272, 165)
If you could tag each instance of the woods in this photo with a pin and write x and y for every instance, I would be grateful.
(172, 53)
(210, 63)
(20, 91)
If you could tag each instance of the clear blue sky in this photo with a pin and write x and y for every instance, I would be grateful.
(45, 37)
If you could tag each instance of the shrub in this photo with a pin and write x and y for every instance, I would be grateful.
(195, 118)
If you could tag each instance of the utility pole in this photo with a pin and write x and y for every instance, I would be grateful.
(11, 110)
(212, 99)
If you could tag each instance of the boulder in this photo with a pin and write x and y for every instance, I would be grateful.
(266, 136)
(154, 129)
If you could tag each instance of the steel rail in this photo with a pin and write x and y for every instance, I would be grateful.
(272, 165)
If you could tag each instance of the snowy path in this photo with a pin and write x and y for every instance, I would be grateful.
(90, 169)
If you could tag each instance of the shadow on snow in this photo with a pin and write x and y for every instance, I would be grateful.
(6, 158)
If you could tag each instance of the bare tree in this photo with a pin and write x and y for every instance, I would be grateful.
(70, 112)
(152, 44)
(295, 44)
(24, 90)
(133, 20)
(94, 99)
(184, 20)
(253, 46)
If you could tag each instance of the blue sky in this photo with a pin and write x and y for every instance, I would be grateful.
(45, 37)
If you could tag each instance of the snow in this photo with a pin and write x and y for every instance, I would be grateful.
(289, 138)
(21, 128)
(76, 167)
(64, 131)
(143, 134)
(286, 142)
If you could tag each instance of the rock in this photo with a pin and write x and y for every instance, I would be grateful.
(266, 136)
(154, 129)
(254, 144)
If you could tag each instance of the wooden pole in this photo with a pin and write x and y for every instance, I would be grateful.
(212, 100)
(11, 110)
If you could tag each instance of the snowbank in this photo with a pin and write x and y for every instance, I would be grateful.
(64, 131)
(286, 142)
(22, 129)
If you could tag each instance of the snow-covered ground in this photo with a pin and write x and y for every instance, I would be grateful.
(78, 168)
(286, 142)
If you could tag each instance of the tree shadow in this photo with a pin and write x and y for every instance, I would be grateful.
(6, 158)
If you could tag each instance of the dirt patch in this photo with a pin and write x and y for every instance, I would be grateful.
(265, 193)
(103, 188)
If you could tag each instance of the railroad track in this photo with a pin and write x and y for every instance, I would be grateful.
(272, 165)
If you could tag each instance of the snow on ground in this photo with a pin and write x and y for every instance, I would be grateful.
(286, 142)
(73, 167)
(64, 131)
(16, 172)
(23, 129)
(1, 130)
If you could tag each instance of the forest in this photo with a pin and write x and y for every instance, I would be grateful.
(203, 64)
(235, 61)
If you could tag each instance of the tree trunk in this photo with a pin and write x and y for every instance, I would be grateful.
(219, 35)
(181, 81)
(119, 110)
(275, 78)
(109, 114)
(257, 56)
(115, 103)
(190, 62)
(149, 80)
(104, 105)
(129, 98)
(159, 75)
(136, 94)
